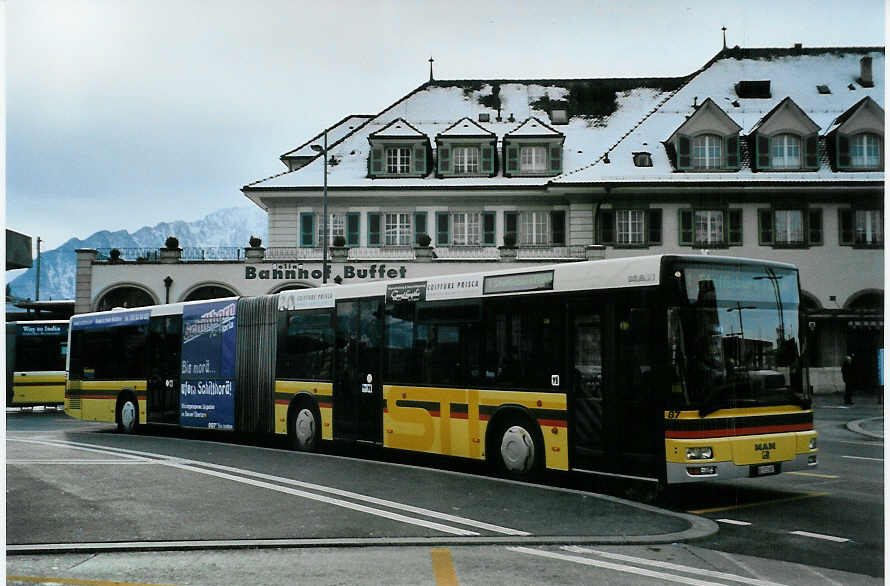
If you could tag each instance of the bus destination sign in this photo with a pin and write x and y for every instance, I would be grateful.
(518, 283)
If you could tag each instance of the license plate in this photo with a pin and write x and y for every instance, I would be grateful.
(765, 470)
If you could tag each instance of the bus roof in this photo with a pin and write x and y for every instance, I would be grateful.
(635, 271)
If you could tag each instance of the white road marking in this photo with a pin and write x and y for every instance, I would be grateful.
(78, 462)
(611, 566)
(858, 443)
(672, 566)
(192, 466)
(863, 458)
(820, 536)
(733, 522)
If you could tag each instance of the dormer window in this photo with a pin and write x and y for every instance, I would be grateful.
(533, 159)
(865, 151)
(785, 139)
(707, 141)
(707, 152)
(856, 138)
(398, 160)
(399, 150)
(465, 160)
(785, 152)
(466, 149)
(533, 148)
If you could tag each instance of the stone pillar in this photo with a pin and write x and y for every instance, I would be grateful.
(171, 255)
(254, 254)
(83, 279)
(595, 252)
(424, 254)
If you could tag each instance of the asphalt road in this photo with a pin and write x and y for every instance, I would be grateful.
(173, 508)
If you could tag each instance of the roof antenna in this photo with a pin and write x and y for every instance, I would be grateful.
(724, 38)
(431, 68)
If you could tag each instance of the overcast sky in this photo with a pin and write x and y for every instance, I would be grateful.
(122, 114)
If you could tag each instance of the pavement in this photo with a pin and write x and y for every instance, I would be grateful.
(865, 403)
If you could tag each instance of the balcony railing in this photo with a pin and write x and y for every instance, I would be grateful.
(194, 254)
(551, 252)
(354, 254)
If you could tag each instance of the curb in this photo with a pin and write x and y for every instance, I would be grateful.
(856, 427)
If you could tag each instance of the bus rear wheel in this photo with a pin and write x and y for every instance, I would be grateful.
(127, 415)
(304, 428)
(518, 452)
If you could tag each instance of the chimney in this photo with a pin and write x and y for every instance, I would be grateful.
(865, 78)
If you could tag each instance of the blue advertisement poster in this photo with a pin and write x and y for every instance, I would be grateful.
(207, 390)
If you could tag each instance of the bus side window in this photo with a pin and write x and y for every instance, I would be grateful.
(634, 364)
(588, 356)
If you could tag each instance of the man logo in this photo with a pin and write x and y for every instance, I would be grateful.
(764, 446)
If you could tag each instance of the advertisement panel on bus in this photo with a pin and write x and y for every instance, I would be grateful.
(207, 390)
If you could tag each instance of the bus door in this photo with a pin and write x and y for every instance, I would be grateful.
(358, 389)
(588, 421)
(164, 367)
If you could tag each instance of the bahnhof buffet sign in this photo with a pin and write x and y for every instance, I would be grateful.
(301, 272)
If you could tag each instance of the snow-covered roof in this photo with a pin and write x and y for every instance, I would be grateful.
(464, 128)
(398, 128)
(618, 116)
(534, 128)
(793, 73)
(335, 133)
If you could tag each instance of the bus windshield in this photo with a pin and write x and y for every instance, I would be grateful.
(734, 336)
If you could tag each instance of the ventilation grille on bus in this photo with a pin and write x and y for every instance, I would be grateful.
(74, 402)
(257, 342)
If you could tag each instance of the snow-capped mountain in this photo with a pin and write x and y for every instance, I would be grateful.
(226, 227)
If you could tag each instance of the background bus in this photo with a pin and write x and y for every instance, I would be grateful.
(35, 363)
(670, 368)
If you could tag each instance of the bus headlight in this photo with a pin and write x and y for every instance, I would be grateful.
(699, 453)
(812, 443)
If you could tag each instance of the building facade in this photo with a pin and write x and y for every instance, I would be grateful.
(763, 153)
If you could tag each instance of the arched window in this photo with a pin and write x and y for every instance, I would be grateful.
(707, 151)
(865, 151)
(124, 297)
(209, 292)
(785, 152)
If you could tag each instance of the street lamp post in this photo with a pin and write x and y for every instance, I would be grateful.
(324, 212)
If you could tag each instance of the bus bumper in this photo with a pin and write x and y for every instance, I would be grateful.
(802, 457)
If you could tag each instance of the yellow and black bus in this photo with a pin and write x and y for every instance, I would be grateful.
(35, 363)
(674, 369)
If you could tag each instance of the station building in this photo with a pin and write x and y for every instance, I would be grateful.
(763, 153)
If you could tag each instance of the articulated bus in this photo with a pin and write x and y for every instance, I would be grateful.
(35, 363)
(673, 369)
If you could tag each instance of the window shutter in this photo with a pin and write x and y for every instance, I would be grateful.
(845, 224)
(488, 228)
(653, 217)
(352, 229)
(811, 148)
(815, 226)
(684, 152)
(444, 159)
(420, 159)
(687, 234)
(419, 225)
(735, 227)
(607, 226)
(732, 151)
(512, 158)
(376, 161)
(765, 225)
(374, 229)
(763, 144)
(443, 236)
(488, 159)
(556, 159)
(843, 151)
(558, 227)
(307, 229)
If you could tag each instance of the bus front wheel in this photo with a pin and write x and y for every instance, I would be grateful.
(304, 428)
(518, 452)
(127, 415)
